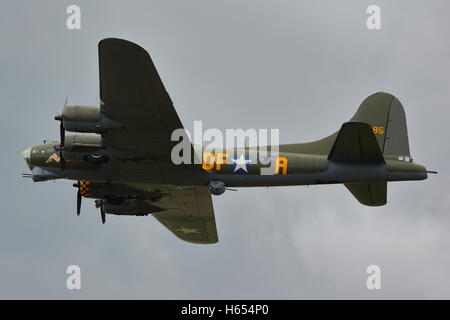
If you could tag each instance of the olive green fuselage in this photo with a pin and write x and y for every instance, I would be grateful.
(286, 168)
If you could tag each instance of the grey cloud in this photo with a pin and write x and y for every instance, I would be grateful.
(301, 66)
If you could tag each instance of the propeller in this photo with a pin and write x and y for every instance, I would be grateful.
(78, 185)
(102, 213)
(62, 135)
(99, 204)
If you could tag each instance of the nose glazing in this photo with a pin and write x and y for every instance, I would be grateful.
(26, 154)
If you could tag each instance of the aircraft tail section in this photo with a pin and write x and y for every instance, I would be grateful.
(381, 113)
(385, 114)
(377, 129)
(356, 143)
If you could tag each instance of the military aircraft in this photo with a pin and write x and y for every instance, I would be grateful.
(121, 154)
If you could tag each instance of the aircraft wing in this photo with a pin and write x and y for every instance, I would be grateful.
(133, 94)
(186, 211)
(189, 215)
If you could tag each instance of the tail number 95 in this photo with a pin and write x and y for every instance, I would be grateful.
(378, 130)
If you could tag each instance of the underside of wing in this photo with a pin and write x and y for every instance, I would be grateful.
(186, 211)
(189, 215)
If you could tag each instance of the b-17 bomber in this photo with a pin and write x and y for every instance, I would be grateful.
(122, 152)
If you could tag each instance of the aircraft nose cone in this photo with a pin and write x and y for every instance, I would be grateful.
(26, 154)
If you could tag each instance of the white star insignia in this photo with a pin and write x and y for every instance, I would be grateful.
(188, 230)
(241, 163)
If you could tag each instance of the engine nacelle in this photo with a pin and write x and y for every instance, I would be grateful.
(87, 119)
(130, 207)
(91, 148)
(114, 194)
(80, 143)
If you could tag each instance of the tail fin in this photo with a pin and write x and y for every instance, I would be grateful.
(385, 114)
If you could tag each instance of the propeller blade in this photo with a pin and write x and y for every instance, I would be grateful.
(78, 202)
(78, 185)
(62, 134)
(62, 161)
(102, 213)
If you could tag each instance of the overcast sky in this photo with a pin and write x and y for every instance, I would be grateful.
(301, 66)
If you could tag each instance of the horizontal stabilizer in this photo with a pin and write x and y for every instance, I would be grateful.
(369, 193)
(356, 143)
